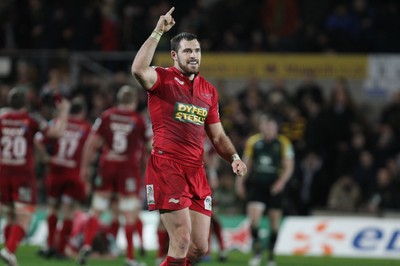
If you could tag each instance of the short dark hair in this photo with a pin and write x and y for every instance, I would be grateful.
(176, 40)
(269, 117)
(16, 98)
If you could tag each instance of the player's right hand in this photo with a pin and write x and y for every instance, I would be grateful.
(166, 22)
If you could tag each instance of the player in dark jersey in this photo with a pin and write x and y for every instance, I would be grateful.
(270, 159)
(183, 107)
(17, 177)
(64, 187)
(121, 134)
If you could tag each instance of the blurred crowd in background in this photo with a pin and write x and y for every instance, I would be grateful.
(344, 161)
(222, 25)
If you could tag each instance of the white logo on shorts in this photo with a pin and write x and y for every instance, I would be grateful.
(208, 203)
(150, 194)
(176, 201)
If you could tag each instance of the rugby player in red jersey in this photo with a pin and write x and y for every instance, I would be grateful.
(183, 107)
(17, 178)
(121, 133)
(64, 187)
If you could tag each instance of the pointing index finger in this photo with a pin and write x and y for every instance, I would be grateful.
(170, 11)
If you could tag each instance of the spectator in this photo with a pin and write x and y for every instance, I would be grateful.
(280, 20)
(308, 188)
(344, 195)
(314, 135)
(340, 115)
(364, 172)
(390, 113)
(277, 98)
(386, 144)
(341, 28)
(293, 127)
(385, 195)
(308, 90)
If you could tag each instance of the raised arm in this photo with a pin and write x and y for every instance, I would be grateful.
(141, 69)
(57, 130)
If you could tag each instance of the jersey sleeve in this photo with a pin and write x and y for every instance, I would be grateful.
(249, 146)
(159, 71)
(287, 148)
(213, 113)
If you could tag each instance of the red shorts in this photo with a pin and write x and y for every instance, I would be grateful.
(66, 183)
(173, 186)
(121, 178)
(18, 188)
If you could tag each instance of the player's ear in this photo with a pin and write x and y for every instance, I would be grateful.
(174, 55)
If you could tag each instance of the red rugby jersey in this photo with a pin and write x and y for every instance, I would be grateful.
(17, 131)
(179, 109)
(124, 136)
(66, 151)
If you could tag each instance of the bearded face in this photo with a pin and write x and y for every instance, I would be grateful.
(188, 57)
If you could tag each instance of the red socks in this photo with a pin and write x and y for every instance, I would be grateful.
(64, 235)
(169, 261)
(129, 240)
(139, 230)
(52, 229)
(91, 228)
(17, 233)
(7, 231)
(114, 227)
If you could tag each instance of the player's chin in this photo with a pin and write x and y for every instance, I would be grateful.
(193, 69)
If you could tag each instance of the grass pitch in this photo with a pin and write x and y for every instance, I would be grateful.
(27, 257)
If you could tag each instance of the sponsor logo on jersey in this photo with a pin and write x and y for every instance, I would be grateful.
(189, 113)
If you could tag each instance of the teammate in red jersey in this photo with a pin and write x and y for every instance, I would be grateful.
(120, 132)
(17, 177)
(183, 108)
(64, 186)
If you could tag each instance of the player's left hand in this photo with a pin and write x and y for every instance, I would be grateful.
(239, 168)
